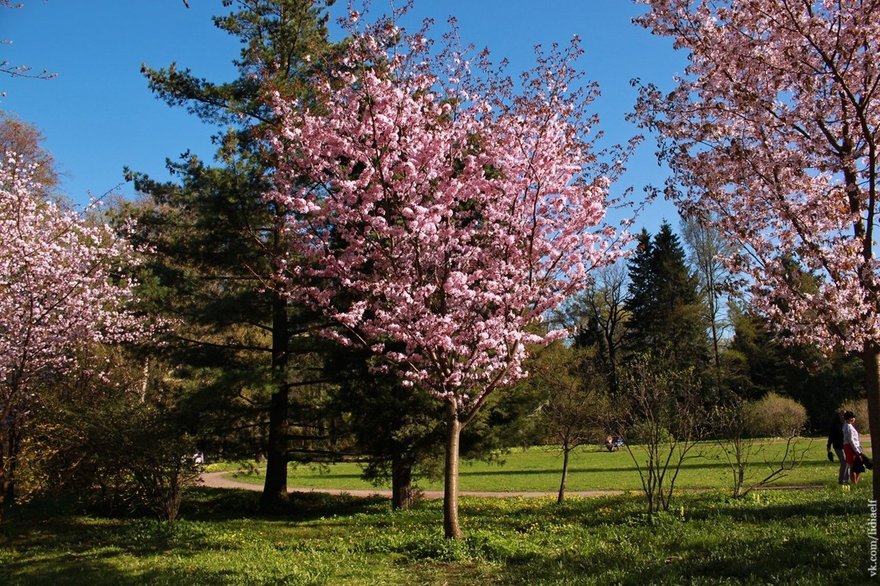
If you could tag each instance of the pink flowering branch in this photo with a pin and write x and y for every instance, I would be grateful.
(58, 292)
(773, 130)
(440, 212)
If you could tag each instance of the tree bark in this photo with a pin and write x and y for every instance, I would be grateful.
(451, 528)
(8, 461)
(401, 484)
(275, 486)
(561, 497)
(6, 486)
(871, 357)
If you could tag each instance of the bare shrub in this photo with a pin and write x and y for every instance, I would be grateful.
(662, 420)
(733, 425)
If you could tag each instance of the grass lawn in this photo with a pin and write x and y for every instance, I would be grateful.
(776, 537)
(590, 468)
(815, 536)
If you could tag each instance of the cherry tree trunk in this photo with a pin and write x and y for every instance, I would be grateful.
(401, 484)
(561, 497)
(451, 528)
(7, 488)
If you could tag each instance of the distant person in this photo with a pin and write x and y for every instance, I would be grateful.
(609, 443)
(835, 442)
(852, 448)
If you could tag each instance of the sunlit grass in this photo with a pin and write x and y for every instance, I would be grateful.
(591, 468)
(780, 537)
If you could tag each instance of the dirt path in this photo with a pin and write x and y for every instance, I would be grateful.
(222, 480)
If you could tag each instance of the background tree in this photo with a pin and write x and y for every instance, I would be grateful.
(803, 75)
(26, 141)
(577, 407)
(60, 290)
(396, 428)
(666, 315)
(443, 213)
(218, 241)
(707, 249)
(758, 361)
(597, 318)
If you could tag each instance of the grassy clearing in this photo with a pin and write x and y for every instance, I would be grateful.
(776, 537)
(591, 468)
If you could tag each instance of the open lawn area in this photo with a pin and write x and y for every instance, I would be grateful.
(591, 468)
(810, 536)
(775, 537)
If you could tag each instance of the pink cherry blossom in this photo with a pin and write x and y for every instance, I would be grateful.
(773, 135)
(59, 293)
(441, 213)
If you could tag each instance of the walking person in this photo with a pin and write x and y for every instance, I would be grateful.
(835, 442)
(852, 448)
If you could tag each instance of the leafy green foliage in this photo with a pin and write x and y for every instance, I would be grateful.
(117, 431)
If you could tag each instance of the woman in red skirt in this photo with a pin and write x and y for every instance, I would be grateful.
(852, 448)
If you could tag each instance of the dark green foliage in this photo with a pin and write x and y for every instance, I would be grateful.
(397, 429)
(667, 317)
(114, 439)
(249, 358)
(284, 40)
(757, 363)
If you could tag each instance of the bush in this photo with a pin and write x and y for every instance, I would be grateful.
(860, 409)
(776, 416)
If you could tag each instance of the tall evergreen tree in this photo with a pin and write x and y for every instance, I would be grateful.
(218, 241)
(666, 311)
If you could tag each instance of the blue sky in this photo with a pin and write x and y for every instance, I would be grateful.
(98, 116)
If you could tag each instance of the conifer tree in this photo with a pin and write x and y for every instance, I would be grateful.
(666, 313)
(218, 241)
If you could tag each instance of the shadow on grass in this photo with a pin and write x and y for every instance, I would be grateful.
(224, 504)
(96, 570)
(754, 561)
(775, 538)
(807, 542)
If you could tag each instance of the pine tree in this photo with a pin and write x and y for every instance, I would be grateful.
(218, 242)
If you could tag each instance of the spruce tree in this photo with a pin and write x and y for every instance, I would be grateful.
(666, 316)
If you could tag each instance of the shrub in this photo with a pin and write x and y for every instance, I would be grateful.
(776, 416)
(860, 409)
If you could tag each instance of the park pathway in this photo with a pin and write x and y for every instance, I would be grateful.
(222, 480)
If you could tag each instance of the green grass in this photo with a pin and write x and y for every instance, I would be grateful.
(816, 536)
(775, 537)
(591, 468)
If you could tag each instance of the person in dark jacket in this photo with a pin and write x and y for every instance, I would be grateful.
(835, 442)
